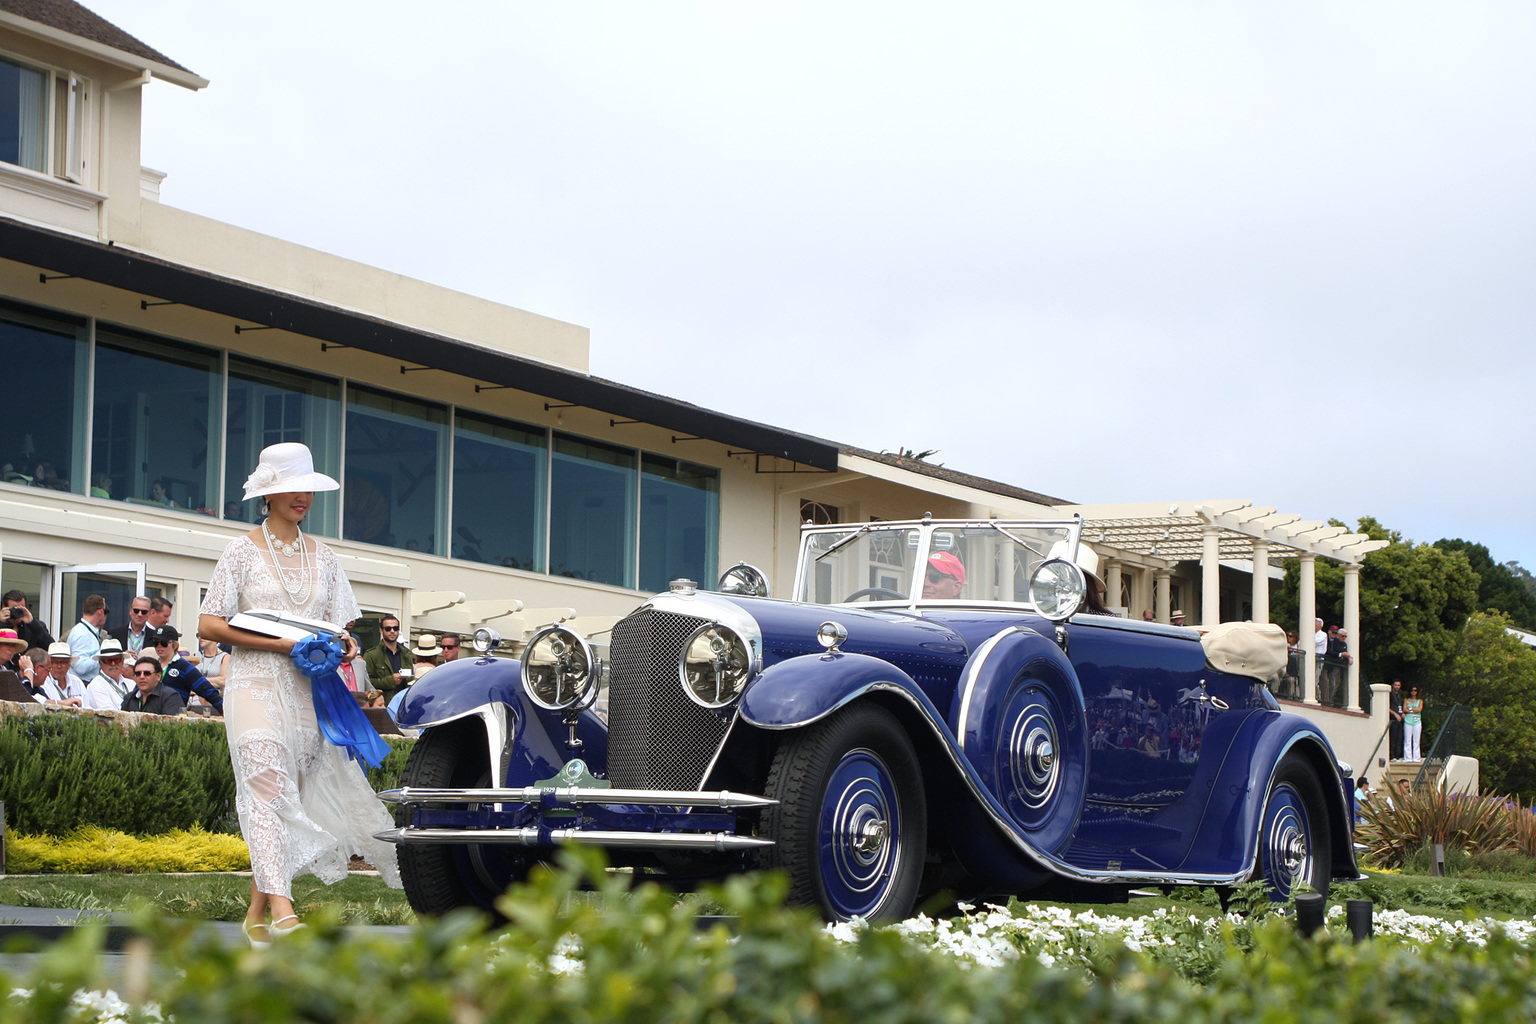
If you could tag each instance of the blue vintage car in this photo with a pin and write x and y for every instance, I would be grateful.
(937, 711)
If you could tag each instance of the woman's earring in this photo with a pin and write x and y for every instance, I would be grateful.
(266, 508)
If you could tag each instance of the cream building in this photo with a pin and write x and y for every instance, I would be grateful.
(489, 477)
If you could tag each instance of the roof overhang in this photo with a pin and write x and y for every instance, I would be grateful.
(1165, 533)
(102, 52)
(163, 281)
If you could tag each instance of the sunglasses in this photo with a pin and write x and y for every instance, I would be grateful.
(934, 576)
(146, 674)
(138, 611)
(450, 647)
(389, 629)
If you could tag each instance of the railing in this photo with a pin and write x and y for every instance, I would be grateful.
(1332, 682)
(1454, 736)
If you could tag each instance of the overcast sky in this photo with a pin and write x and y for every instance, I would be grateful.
(1110, 252)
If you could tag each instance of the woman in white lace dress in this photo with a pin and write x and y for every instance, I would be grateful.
(304, 807)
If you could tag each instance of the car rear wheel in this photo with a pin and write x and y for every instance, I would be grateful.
(440, 878)
(1294, 837)
(851, 823)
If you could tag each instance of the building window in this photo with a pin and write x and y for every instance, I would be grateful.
(679, 521)
(499, 474)
(592, 511)
(394, 488)
(269, 405)
(819, 513)
(43, 120)
(158, 409)
(43, 422)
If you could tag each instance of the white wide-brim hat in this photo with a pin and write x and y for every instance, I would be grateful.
(286, 468)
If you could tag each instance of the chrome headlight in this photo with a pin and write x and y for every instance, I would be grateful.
(716, 665)
(485, 640)
(746, 580)
(1057, 587)
(560, 671)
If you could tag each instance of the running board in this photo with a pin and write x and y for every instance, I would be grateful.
(575, 795)
(720, 841)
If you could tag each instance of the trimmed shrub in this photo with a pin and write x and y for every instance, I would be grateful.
(90, 849)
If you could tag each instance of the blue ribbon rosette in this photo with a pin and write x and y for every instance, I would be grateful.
(341, 720)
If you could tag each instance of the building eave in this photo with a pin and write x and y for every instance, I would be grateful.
(101, 51)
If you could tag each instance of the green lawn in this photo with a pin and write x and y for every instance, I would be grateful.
(363, 899)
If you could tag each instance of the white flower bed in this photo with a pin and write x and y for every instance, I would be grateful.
(1057, 937)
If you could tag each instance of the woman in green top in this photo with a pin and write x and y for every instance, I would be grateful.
(1413, 725)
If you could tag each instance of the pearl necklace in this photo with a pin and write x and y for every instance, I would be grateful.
(296, 581)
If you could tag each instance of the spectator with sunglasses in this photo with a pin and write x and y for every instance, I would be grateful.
(180, 674)
(132, 636)
(148, 696)
(384, 659)
(945, 578)
(450, 643)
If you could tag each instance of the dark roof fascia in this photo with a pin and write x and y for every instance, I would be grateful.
(955, 477)
(165, 281)
(73, 19)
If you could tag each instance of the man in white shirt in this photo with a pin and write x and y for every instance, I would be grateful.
(86, 636)
(62, 685)
(107, 691)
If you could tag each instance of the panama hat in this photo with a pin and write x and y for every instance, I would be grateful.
(426, 646)
(285, 468)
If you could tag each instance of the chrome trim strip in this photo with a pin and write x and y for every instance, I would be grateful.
(575, 795)
(968, 681)
(717, 841)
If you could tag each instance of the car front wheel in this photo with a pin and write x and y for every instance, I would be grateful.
(851, 822)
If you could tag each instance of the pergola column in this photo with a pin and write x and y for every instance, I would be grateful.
(1210, 576)
(1160, 580)
(1110, 574)
(1261, 581)
(1306, 626)
(1352, 623)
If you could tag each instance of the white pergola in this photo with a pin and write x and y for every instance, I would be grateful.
(1159, 535)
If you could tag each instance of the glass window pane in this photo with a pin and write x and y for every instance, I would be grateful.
(499, 472)
(42, 424)
(23, 114)
(156, 429)
(268, 405)
(679, 522)
(394, 492)
(592, 512)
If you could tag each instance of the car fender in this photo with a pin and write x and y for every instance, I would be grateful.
(1227, 839)
(797, 692)
(526, 743)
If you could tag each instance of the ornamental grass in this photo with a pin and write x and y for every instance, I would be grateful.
(1393, 832)
(90, 849)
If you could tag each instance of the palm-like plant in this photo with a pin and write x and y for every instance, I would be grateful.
(1392, 832)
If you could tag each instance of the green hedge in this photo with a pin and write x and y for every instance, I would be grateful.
(61, 771)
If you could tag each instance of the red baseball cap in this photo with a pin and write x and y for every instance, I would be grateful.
(949, 565)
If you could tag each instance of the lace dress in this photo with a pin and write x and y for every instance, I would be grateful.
(304, 807)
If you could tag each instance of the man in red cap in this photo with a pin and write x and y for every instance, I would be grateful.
(946, 575)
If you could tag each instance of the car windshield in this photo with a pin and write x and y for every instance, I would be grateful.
(969, 562)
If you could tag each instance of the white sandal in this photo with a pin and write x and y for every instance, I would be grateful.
(277, 932)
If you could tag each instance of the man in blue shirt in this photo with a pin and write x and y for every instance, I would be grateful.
(180, 674)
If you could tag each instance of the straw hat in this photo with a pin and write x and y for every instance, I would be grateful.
(9, 637)
(427, 647)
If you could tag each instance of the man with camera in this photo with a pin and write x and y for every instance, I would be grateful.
(16, 615)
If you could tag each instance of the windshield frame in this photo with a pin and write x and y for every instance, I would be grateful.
(926, 528)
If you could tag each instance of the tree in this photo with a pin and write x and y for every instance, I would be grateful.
(1499, 589)
(1414, 601)
(1494, 674)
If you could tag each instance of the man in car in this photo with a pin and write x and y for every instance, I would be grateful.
(945, 578)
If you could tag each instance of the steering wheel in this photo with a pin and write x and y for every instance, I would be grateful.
(874, 592)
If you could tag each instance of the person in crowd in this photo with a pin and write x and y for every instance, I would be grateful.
(1395, 719)
(1362, 790)
(385, 660)
(160, 494)
(111, 686)
(149, 696)
(1177, 618)
(159, 612)
(86, 636)
(131, 635)
(944, 578)
(14, 649)
(425, 656)
(1150, 742)
(1147, 615)
(180, 674)
(214, 661)
(450, 643)
(19, 617)
(62, 685)
(304, 806)
(35, 661)
(373, 699)
(1413, 725)
(102, 488)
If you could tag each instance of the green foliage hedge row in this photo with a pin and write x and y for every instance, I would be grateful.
(62, 771)
(643, 959)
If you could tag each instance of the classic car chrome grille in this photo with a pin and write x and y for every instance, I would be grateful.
(657, 737)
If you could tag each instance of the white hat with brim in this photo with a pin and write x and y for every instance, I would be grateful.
(60, 649)
(286, 468)
(110, 648)
(427, 646)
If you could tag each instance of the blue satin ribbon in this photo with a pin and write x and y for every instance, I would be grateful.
(341, 720)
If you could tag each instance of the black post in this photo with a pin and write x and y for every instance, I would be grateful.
(1358, 913)
(1309, 913)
